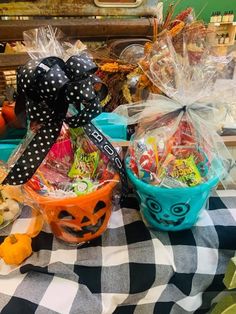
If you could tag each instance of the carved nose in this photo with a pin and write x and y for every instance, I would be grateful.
(166, 215)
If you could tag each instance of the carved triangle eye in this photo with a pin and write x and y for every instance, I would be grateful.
(85, 219)
(99, 205)
(65, 215)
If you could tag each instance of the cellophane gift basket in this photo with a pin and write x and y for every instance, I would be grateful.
(176, 156)
(65, 166)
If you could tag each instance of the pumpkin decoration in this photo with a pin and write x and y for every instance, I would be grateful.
(2, 124)
(16, 248)
(77, 219)
(79, 225)
(8, 112)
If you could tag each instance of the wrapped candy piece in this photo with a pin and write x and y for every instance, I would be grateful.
(145, 160)
(133, 161)
(83, 186)
(185, 170)
(85, 164)
(59, 159)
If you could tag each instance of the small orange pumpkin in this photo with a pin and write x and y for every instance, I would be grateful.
(16, 248)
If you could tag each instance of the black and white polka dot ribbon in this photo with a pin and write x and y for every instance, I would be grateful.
(48, 87)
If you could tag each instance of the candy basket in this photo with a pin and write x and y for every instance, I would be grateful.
(67, 168)
(171, 209)
(176, 156)
(80, 219)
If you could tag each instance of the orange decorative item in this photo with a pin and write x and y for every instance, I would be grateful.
(175, 30)
(76, 219)
(2, 125)
(8, 112)
(110, 67)
(16, 248)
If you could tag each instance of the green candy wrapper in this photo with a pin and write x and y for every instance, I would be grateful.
(85, 164)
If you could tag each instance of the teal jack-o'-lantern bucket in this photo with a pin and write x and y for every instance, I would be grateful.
(171, 209)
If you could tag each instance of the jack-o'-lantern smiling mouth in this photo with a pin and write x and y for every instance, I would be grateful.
(168, 222)
(90, 229)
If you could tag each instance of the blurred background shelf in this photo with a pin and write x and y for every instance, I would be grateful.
(230, 140)
(221, 29)
(11, 61)
(78, 8)
(82, 28)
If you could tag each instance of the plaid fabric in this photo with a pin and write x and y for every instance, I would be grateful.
(130, 269)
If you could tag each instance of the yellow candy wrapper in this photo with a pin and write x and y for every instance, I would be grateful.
(186, 171)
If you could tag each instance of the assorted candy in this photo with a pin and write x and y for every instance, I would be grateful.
(176, 143)
(170, 161)
(73, 167)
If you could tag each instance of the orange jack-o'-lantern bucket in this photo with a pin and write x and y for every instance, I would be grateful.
(76, 219)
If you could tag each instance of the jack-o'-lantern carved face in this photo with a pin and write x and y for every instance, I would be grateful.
(75, 224)
(174, 216)
(76, 219)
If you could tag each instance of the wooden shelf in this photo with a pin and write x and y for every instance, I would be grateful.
(12, 61)
(230, 140)
(223, 23)
(223, 45)
(76, 28)
(117, 4)
(219, 29)
(75, 8)
(82, 28)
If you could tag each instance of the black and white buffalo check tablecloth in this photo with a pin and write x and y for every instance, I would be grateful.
(130, 269)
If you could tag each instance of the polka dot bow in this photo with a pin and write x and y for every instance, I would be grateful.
(48, 87)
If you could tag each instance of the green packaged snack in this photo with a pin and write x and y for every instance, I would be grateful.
(85, 164)
(186, 171)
